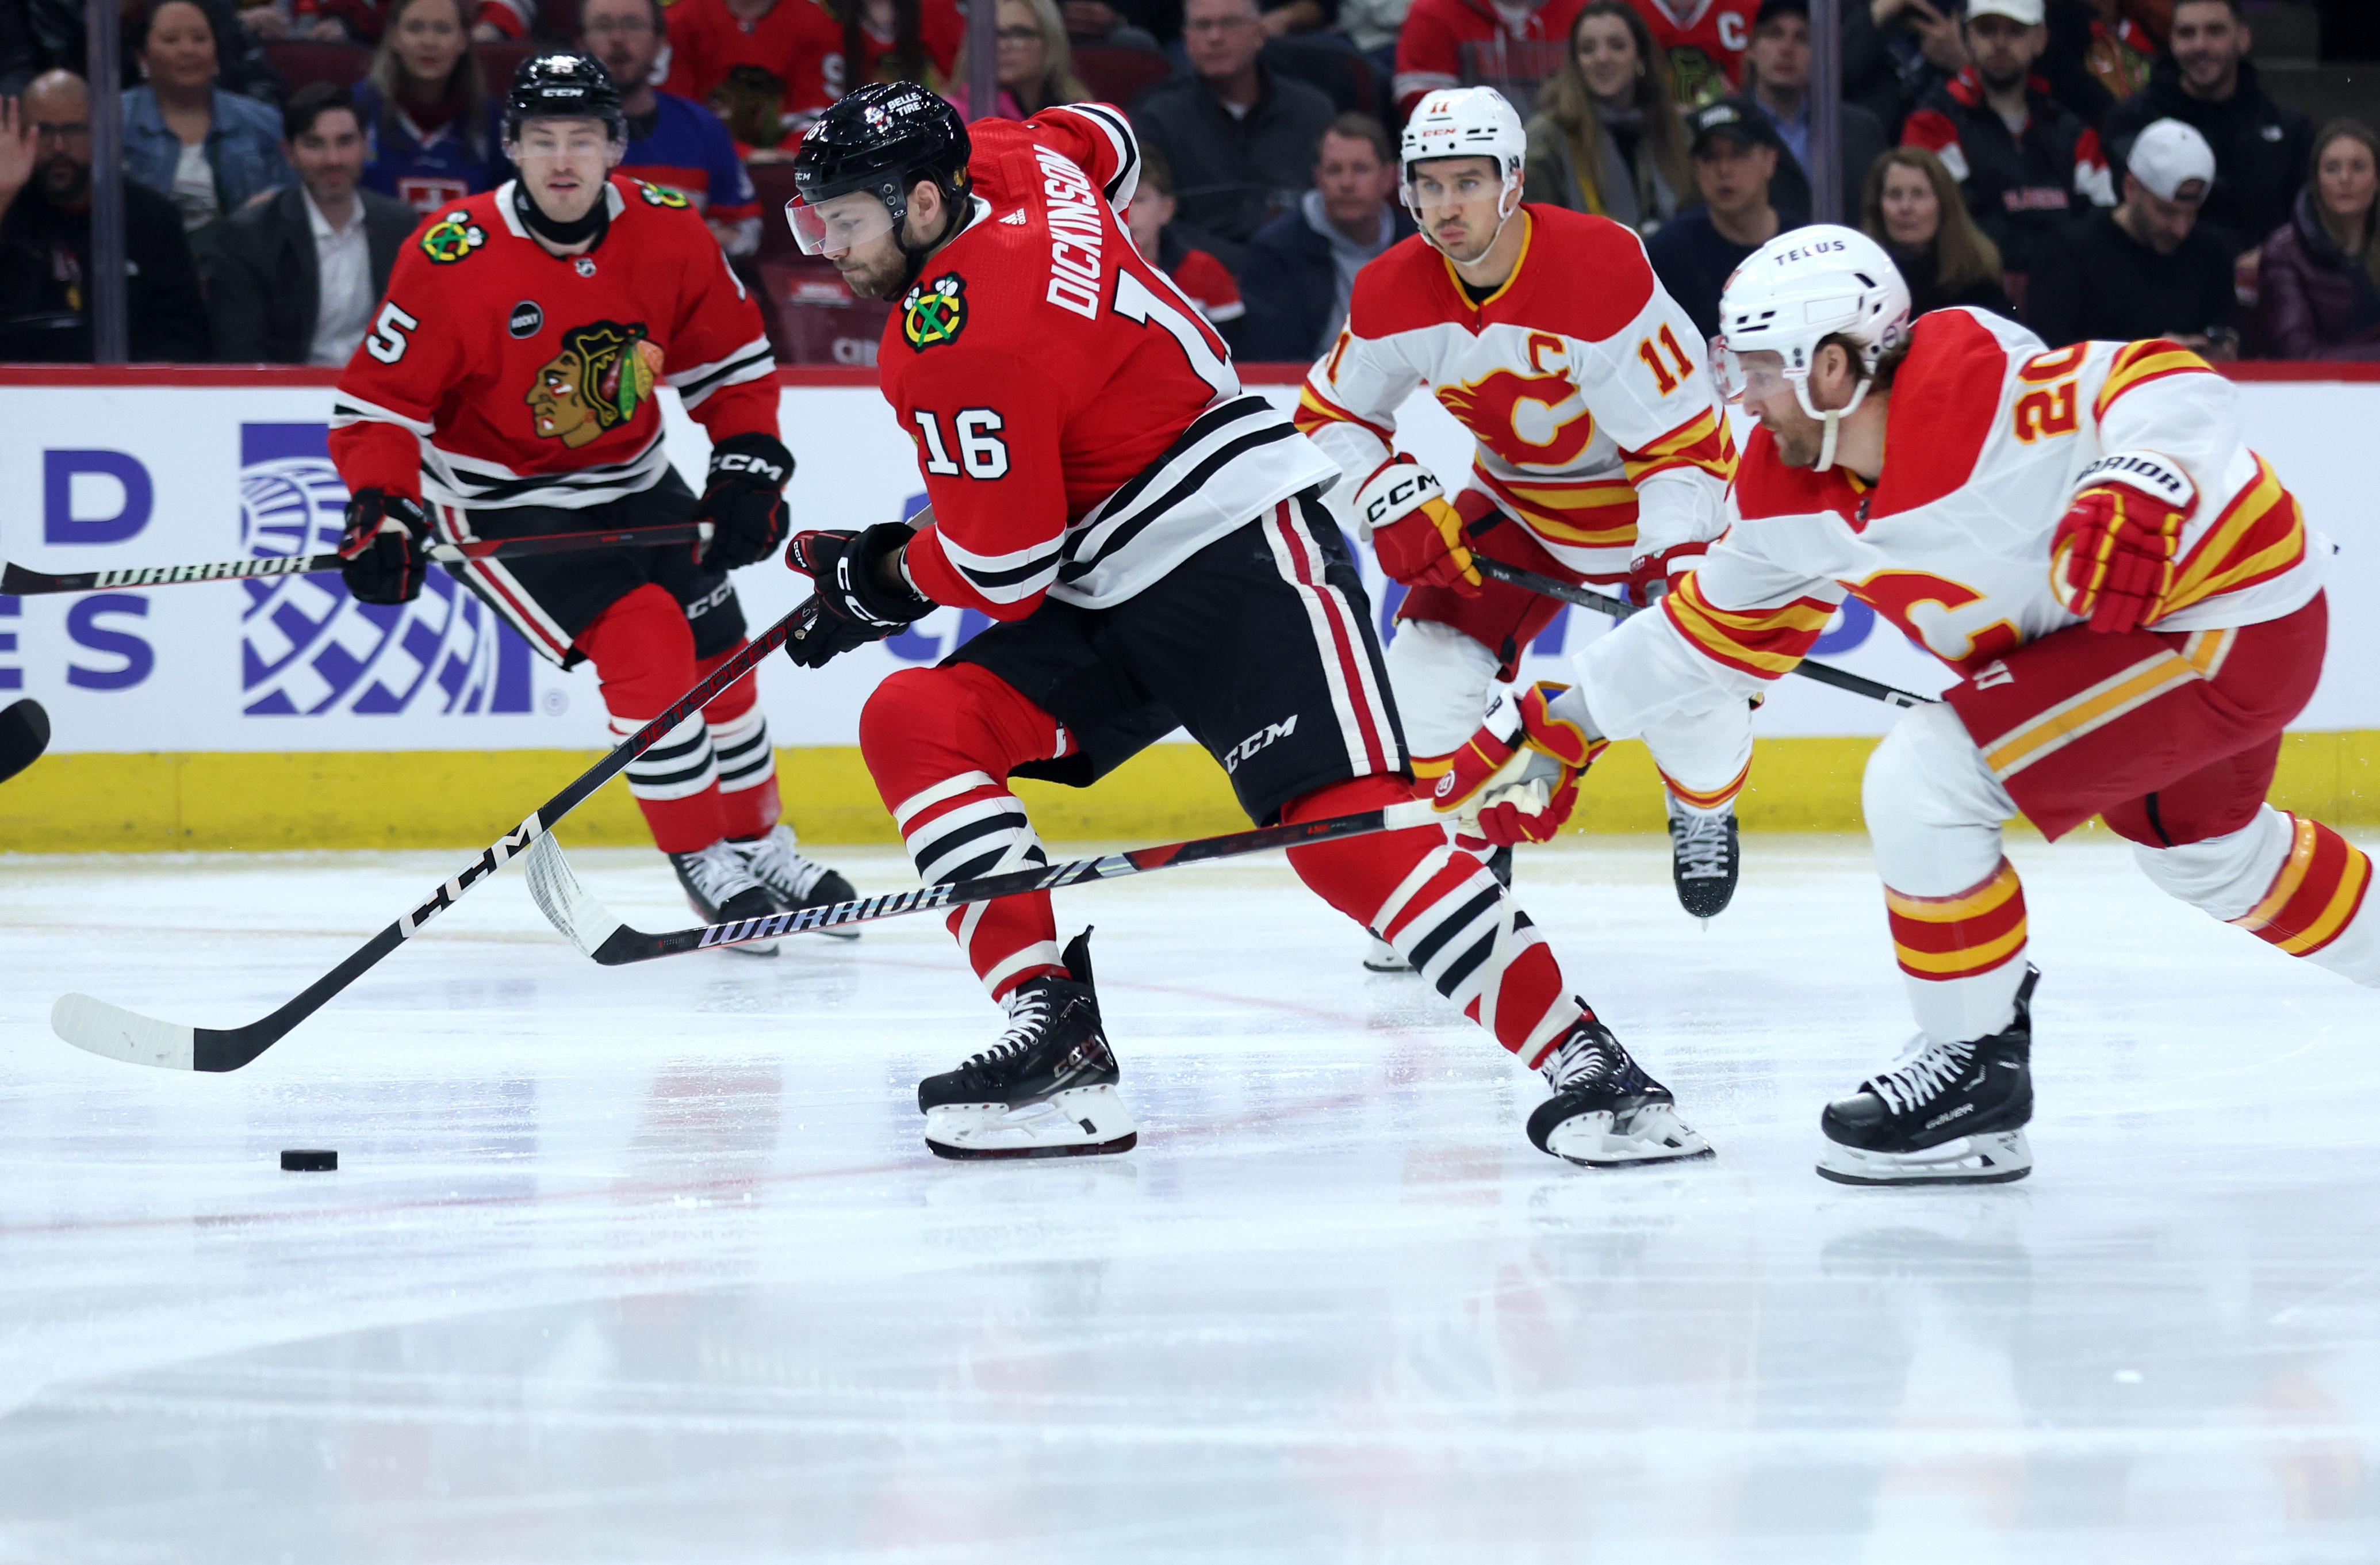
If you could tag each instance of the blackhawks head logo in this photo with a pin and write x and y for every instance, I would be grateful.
(451, 237)
(604, 372)
(934, 313)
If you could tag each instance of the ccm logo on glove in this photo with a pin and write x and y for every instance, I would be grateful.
(1401, 494)
(745, 462)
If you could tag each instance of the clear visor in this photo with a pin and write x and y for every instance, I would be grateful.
(838, 223)
(1753, 376)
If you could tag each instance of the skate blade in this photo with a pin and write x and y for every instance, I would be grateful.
(1969, 1160)
(1083, 1122)
(1383, 957)
(756, 948)
(1651, 1134)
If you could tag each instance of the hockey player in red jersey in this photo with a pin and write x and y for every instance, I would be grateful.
(507, 389)
(2133, 604)
(1602, 454)
(1150, 538)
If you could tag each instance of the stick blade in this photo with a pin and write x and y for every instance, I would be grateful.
(117, 1033)
(566, 904)
(24, 734)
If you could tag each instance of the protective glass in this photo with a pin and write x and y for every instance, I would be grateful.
(1753, 376)
(839, 223)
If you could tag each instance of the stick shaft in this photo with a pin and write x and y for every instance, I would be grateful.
(18, 581)
(613, 944)
(1587, 597)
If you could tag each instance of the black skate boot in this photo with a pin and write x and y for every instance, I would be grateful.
(795, 881)
(722, 890)
(1944, 1114)
(1606, 1113)
(1702, 859)
(1047, 1089)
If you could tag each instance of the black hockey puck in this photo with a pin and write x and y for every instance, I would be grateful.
(310, 1161)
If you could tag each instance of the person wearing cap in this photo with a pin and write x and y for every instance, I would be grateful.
(1777, 82)
(2025, 163)
(2149, 268)
(1736, 153)
(2262, 147)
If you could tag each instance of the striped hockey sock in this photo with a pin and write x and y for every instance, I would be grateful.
(970, 825)
(1962, 954)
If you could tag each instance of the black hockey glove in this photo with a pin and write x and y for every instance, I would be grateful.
(382, 547)
(858, 608)
(744, 500)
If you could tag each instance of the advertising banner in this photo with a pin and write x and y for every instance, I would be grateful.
(104, 476)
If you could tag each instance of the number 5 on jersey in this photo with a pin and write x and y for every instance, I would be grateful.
(980, 448)
(387, 340)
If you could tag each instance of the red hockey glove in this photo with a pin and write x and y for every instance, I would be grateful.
(1517, 780)
(1403, 509)
(744, 500)
(858, 608)
(1651, 575)
(380, 550)
(2112, 558)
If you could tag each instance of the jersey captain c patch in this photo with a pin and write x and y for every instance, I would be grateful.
(604, 372)
(935, 312)
(451, 237)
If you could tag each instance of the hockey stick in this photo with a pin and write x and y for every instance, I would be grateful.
(17, 580)
(599, 931)
(1587, 597)
(118, 1034)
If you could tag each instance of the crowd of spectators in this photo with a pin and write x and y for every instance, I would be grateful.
(2097, 169)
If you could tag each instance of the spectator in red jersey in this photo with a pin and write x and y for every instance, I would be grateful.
(1035, 64)
(894, 41)
(1444, 41)
(1911, 208)
(1299, 271)
(1202, 279)
(2319, 284)
(1705, 41)
(2025, 163)
(760, 65)
(1606, 138)
(436, 135)
(674, 142)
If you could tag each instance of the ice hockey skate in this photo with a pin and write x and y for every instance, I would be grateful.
(1606, 1112)
(1047, 1089)
(1703, 859)
(795, 881)
(723, 889)
(1944, 1114)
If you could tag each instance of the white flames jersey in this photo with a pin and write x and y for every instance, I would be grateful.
(1987, 443)
(1583, 384)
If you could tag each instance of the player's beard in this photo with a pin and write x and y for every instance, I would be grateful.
(877, 277)
(1798, 440)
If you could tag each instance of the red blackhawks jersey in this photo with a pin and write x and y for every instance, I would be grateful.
(498, 374)
(1081, 429)
(1705, 41)
(1582, 381)
(1987, 439)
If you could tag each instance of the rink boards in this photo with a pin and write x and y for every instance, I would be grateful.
(280, 714)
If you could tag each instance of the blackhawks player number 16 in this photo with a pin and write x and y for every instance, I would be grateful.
(509, 383)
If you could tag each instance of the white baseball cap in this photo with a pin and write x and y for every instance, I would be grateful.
(2024, 13)
(2168, 156)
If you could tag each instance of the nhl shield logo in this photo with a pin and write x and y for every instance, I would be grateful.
(934, 313)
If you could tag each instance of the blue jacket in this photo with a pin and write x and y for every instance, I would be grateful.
(243, 147)
(1289, 281)
(425, 176)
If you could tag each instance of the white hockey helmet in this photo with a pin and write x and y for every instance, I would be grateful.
(1464, 122)
(1793, 293)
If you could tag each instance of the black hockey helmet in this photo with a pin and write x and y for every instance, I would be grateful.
(564, 84)
(882, 139)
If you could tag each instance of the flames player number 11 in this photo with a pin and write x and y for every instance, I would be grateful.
(1685, 366)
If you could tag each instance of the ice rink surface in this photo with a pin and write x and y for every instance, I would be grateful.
(651, 1265)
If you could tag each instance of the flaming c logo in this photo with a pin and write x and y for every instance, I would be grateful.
(1537, 420)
